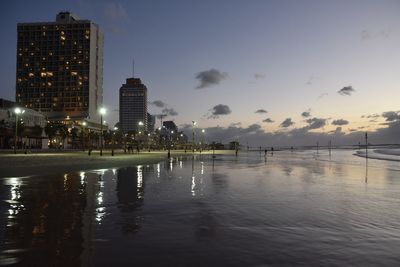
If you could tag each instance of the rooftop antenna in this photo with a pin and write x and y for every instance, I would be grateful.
(133, 68)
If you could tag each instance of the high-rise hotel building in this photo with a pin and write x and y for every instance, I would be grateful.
(133, 106)
(60, 68)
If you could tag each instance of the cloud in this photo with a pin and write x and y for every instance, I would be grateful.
(268, 120)
(371, 116)
(256, 136)
(287, 123)
(340, 122)
(169, 112)
(210, 77)
(258, 76)
(391, 115)
(235, 124)
(115, 11)
(306, 113)
(322, 95)
(219, 110)
(347, 90)
(315, 123)
(158, 103)
(261, 111)
(368, 35)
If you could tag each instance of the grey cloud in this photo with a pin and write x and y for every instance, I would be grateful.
(322, 95)
(209, 78)
(347, 90)
(287, 123)
(371, 116)
(258, 76)
(315, 123)
(391, 115)
(340, 122)
(268, 120)
(169, 112)
(115, 11)
(367, 35)
(219, 110)
(306, 114)
(261, 111)
(158, 103)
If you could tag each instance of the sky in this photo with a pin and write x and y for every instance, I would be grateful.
(261, 72)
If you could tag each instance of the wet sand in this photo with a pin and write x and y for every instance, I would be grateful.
(48, 162)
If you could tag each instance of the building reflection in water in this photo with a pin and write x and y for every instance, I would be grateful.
(44, 222)
(130, 193)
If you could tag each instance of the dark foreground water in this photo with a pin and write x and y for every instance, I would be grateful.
(288, 209)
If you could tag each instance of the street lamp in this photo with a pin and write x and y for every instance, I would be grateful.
(83, 134)
(113, 141)
(102, 112)
(17, 111)
(202, 138)
(194, 124)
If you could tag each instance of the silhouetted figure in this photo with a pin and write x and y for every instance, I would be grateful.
(265, 152)
(272, 151)
(291, 149)
(236, 152)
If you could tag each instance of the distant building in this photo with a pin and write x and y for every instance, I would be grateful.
(4, 103)
(31, 127)
(133, 106)
(151, 123)
(60, 68)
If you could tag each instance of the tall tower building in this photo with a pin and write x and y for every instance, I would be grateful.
(133, 106)
(60, 68)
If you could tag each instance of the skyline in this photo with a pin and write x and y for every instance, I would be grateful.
(263, 73)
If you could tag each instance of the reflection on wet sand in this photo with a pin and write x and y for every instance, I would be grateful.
(231, 208)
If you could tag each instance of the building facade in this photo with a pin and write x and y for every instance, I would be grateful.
(133, 106)
(60, 68)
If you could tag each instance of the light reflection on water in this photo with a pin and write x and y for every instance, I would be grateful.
(298, 208)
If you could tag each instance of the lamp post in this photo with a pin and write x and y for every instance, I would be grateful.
(17, 111)
(194, 124)
(202, 139)
(113, 141)
(140, 132)
(102, 112)
(83, 134)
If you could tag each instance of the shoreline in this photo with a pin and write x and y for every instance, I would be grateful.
(50, 162)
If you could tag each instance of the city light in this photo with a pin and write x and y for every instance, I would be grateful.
(103, 111)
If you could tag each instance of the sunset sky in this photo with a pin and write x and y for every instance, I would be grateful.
(308, 67)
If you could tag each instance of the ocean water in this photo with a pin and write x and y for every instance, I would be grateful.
(302, 208)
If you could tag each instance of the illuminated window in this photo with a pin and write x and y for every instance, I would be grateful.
(32, 54)
(43, 74)
(49, 74)
(19, 80)
(74, 73)
(50, 53)
(43, 58)
(67, 62)
(87, 31)
(62, 38)
(87, 36)
(49, 83)
(80, 83)
(44, 33)
(26, 64)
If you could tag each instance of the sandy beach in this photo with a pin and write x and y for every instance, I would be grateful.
(48, 162)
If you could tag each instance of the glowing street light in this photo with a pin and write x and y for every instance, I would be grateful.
(194, 124)
(102, 112)
(17, 111)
